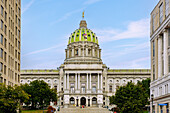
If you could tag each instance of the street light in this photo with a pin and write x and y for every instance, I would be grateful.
(152, 102)
(43, 106)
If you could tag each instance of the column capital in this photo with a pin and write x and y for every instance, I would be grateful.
(165, 30)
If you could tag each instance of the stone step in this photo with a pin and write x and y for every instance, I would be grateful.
(84, 110)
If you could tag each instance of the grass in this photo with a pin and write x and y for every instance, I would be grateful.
(145, 112)
(33, 111)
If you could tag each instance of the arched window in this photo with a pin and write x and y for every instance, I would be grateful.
(72, 101)
(94, 100)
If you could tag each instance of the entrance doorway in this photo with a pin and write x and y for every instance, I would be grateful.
(83, 101)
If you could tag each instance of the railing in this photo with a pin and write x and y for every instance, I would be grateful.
(129, 70)
(36, 71)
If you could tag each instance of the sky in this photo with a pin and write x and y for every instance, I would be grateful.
(122, 26)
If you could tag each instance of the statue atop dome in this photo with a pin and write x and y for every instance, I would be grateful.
(83, 15)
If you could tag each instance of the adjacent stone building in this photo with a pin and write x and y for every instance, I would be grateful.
(83, 79)
(10, 41)
(160, 57)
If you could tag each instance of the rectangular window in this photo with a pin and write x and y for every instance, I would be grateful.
(83, 89)
(1, 79)
(2, 37)
(93, 89)
(16, 19)
(166, 8)
(15, 53)
(153, 72)
(153, 22)
(5, 16)
(5, 29)
(1, 67)
(161, 13)
(168, 37)
(5, 42)
(1, 53)
(5, 69)
(18, 45)
(2, 24)
(110, 89)
(2, 10)
(72, 89)
(19, 33)
(18, 22)
(169, 63)
(5, 55)
(153, 48)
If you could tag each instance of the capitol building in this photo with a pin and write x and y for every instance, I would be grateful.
(83, 78)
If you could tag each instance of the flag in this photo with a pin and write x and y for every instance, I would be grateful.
(85, 36)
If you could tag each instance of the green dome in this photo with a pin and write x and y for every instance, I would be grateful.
(78, 35)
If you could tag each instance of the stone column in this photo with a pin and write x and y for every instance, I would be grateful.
(68, 81)
(90, 101)
(156, 59)
(165, 52)
(79, 51)
(87, 82)
(79, 101)
(101, 82)
(86, 50)
(159, 56)
(79, 81)
(68, 53)
(98, 82)
(90, 81)
(65, 81)
(75, 81)
(164, 109)
(93, 52)
(72, 51)
(100, 53)
(86, 101)
(98, 56)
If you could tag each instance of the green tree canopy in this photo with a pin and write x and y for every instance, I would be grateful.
(132, 98)
(39, 92)
(10, 98)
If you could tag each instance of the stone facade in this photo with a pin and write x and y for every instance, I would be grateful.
(160, 57)
(83, 79)
(10, 42)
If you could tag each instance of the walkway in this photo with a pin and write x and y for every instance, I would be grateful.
(84, 110)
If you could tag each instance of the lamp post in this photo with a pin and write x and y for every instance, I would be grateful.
(152, 102)
(43, 106)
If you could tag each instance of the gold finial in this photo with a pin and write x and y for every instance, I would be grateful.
(83, 15)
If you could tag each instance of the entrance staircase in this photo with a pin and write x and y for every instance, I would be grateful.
(84, 110)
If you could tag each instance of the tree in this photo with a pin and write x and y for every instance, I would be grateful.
(10, 98)
(131, 98)
(40, 93)
(146, 89)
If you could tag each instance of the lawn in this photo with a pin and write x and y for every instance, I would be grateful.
(33, 111)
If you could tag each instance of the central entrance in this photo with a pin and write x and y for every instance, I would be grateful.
(83, 101)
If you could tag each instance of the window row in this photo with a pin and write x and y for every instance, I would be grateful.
(3, 27)
(5, 2)
(3, 54)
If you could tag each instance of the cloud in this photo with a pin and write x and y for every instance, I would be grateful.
(139, 63)
(135, 29)
(88, 2)
(129, 50)
(27, 6)
(66, 16)
(44, 50)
